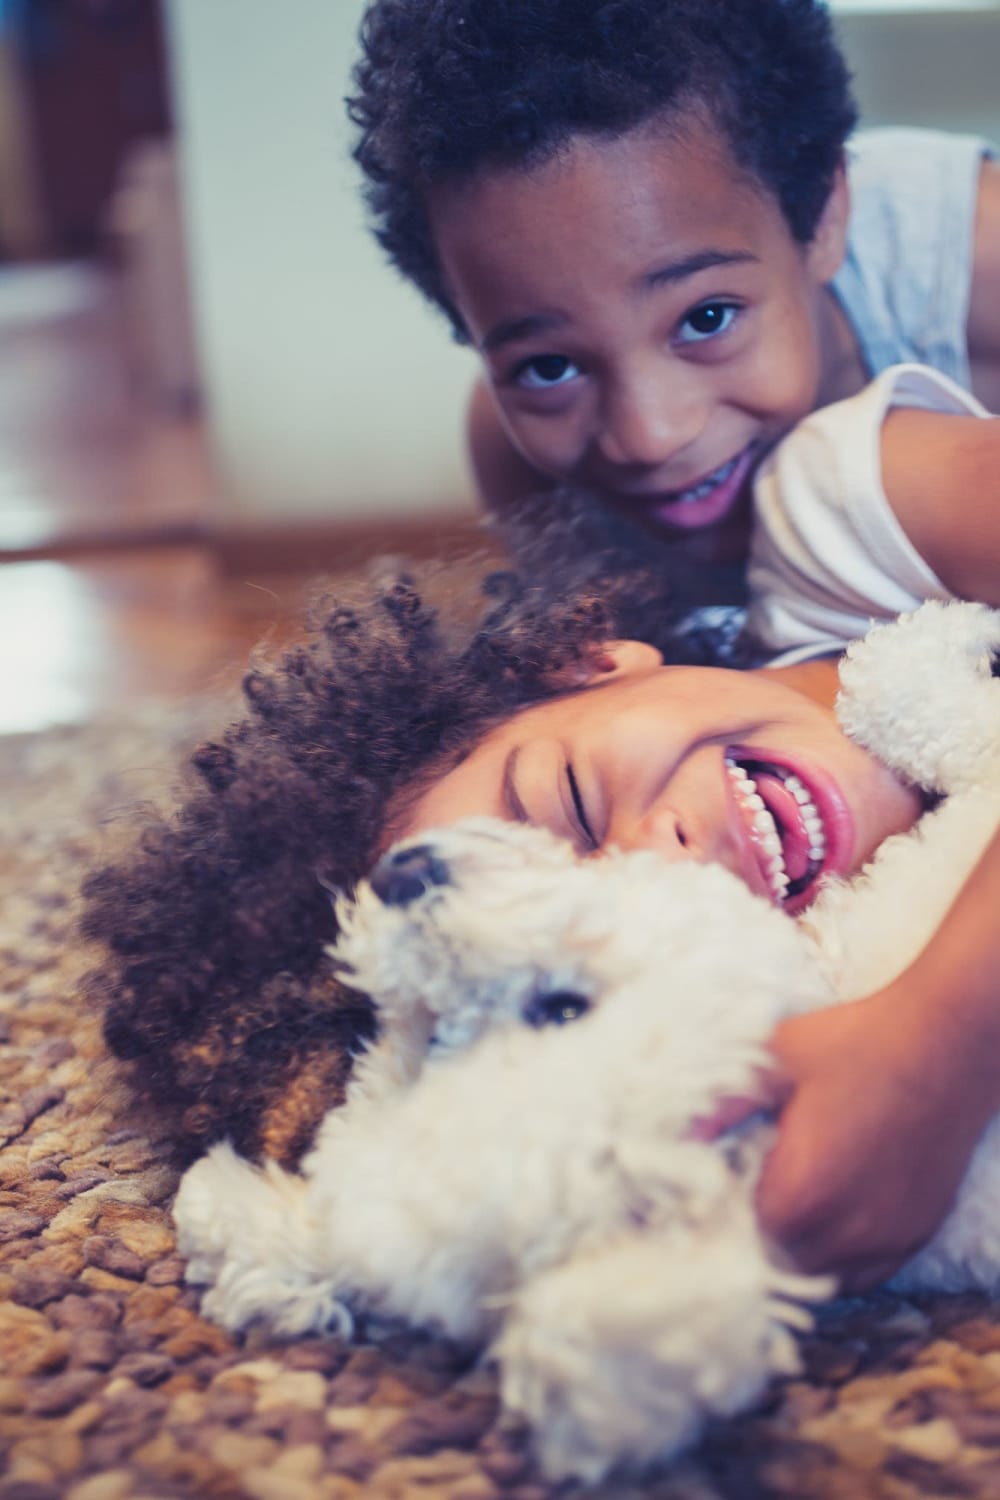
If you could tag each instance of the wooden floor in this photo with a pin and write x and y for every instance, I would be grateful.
(108, 590)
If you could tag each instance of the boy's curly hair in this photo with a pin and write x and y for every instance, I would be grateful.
(215, 985)
(446, 87)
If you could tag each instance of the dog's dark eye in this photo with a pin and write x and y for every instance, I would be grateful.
(556, 1009)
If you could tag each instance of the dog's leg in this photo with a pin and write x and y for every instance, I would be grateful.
(249, 1234)
(621, 1356)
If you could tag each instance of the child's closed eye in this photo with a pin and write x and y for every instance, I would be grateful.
(579, 808)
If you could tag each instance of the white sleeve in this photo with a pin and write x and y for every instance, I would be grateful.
(828, 555)
(906, 278)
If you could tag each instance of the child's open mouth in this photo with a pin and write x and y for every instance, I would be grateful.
(785, 828)
(709, 501)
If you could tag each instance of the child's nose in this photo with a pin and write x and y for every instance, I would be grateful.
(662, 830)
(648, 419)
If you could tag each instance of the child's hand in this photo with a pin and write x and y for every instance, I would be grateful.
(881, 1102)
(879, 1110)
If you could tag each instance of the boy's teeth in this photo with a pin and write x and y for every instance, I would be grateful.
(699, 491)
(765, 829)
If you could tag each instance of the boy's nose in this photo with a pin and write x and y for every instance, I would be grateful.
(648, 420)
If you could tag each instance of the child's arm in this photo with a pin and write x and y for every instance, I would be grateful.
(984, 301)
(941, 475)
(882, 1102)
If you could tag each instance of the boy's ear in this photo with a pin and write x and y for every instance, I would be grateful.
(604, 662)
(829, 243)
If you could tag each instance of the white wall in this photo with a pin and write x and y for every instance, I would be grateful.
(332, 390)
(919, 63)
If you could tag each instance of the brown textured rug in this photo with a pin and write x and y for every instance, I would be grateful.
(113, 1387)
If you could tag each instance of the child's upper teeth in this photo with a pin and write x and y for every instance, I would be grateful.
(765, 829)
(811, 820)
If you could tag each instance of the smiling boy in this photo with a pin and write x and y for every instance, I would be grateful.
(646, 219)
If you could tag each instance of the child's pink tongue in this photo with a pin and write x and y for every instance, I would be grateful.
(788, 815)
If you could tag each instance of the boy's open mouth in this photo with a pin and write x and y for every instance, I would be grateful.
(708, 502)
(785, 827)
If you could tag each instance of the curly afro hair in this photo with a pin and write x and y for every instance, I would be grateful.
(215, 986)
(446, 87)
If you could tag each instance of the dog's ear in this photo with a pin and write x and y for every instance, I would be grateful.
(609, 660)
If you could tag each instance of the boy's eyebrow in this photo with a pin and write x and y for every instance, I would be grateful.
(699, 260)
(511, 330)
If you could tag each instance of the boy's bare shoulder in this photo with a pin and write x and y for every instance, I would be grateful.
(984, 306)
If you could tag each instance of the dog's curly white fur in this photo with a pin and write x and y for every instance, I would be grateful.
(536, 1188)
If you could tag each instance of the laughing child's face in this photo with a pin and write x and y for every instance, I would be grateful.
(741, 769)
(648, 323)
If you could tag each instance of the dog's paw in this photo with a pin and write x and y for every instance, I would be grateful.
(208, 1210)
(287, 1303)
(619, 1358)
(250, 1237)
(592, 1403)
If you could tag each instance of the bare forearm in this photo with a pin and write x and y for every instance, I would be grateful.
(882, 1101)
(941, 475)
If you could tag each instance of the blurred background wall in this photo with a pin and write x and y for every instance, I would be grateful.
(917, 62)
(332, 390)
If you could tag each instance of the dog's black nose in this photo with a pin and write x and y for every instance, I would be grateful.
(404, 874)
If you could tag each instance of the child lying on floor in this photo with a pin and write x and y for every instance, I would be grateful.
(519, 1162)
(394, 717)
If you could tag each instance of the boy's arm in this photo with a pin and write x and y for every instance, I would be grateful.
(941, 475)
(502, 476)
(882, 1101)
(983, 326)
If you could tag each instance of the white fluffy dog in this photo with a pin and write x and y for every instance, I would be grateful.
(514, 1165)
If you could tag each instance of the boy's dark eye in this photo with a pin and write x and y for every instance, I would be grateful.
(705, 321)
(545, 370)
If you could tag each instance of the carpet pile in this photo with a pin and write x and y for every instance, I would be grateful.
(112, 1387)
